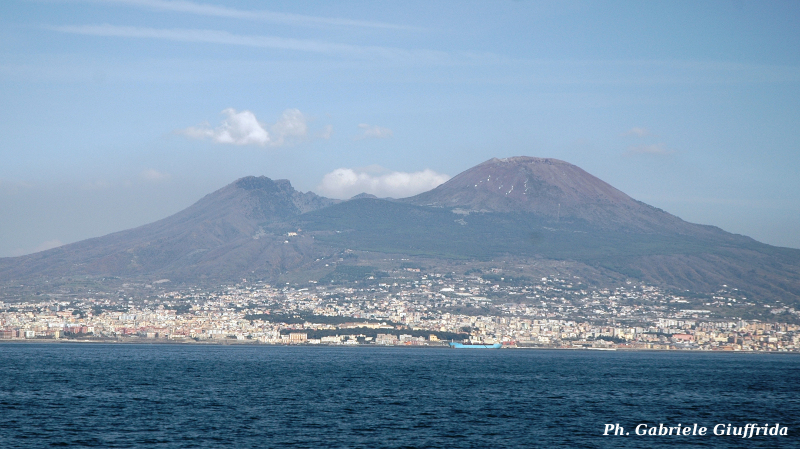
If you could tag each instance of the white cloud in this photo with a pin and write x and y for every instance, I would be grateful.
(225, 38)
(346, 182)
(242, 128)
(638, 132)
(239, 128)
(266, 16)
(657, 149)
(292, 125)
(373, 131)
(154, 175)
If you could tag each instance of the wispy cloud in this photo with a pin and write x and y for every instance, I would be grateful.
(262, 15)
(326, 132)
(373, 132)
(657, 149)
(346, 182)
(226, 38)
(153, 175)
(637, 132)
(290, 127)
(243, 128)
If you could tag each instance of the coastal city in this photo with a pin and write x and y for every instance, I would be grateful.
(412, 307)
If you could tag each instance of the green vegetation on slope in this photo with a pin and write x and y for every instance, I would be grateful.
(390, 227)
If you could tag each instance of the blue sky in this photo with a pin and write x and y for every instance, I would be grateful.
(118, 113)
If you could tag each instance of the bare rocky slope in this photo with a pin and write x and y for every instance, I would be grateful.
(220, 237)
(550, 188)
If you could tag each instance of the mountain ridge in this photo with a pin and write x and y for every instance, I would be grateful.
(522, 207)
(227, 220)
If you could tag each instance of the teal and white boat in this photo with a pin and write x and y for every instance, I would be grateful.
(463, 346)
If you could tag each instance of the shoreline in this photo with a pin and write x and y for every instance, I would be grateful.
(260, 344)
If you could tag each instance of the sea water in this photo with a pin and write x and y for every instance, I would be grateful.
(198, 396)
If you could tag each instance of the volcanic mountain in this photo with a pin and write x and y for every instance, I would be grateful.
(220, 237)
(522, 208)
(548, 188)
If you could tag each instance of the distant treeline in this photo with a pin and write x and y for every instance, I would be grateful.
(350, 273)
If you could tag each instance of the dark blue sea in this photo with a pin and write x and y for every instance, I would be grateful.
(192, 396)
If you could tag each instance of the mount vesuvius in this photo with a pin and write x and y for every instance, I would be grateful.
(528, 209)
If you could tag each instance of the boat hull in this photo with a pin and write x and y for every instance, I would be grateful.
(463, 346)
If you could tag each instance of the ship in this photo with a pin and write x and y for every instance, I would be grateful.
(463, 346)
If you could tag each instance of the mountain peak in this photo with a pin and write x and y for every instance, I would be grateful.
(364, 195)
(543, 186)
(264, 183)
(273, 198)
(524, 160)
